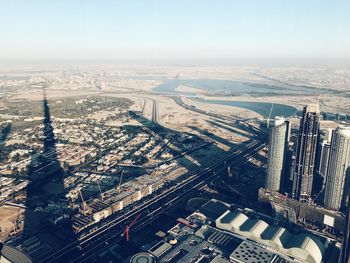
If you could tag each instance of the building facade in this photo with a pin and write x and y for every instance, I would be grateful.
(276, 158)
(345, 252)
(338, 168)
(323, 166)
(306, 152)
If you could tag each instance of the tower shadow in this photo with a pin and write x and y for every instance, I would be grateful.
(47, 226)
(5, 131)
(4, 134)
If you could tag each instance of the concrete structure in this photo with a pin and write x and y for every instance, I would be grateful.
(277, 147)
(160, 248)
(345, 253)
(143, 257)
(295, 211)
(306, 152)
(304, 247)
(219, 260)
(247, 252)
(114, 201)
(239, 236)
(327, 134)
(10, 254)
(338, 168)
(324, 157)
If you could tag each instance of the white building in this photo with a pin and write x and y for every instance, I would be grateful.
(277, 147)
(338, 168)
(303, 247)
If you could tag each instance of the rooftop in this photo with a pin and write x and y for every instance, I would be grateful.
(10, 254)
(302, 246)
(314, 107)
(239, 236)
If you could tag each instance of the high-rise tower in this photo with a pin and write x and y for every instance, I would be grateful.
(323, 166)
(276, 161)
(345, 252)
(338, 169)
(323, 152)
(306, 152)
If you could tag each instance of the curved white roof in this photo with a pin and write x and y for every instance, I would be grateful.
(302, 243)
(238, 220)
(231, 220)
(278, 235)
(12, 255)
(258, 227)
(304, 246)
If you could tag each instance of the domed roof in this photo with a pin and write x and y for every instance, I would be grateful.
(143, 257)
(10, 254)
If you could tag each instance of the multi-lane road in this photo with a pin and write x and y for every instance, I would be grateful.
(155, 113)
(84, 248)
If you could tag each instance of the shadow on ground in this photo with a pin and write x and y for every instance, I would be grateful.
(47, 224)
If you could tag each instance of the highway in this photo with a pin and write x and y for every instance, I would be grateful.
(90, 244)
(143, 108)
(179, 102)
(155, 113)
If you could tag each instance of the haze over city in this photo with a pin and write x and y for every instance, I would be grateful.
(174, 30)
(174, 131)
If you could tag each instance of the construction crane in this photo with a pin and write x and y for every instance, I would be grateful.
(127, 228)
(83, 202)
(319, 100)
(229, 173)
(120, 182)
(269, 118)
(99, 188)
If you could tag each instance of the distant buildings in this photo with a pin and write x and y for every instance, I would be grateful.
(306, 152)
(277, 148)
(338, 168)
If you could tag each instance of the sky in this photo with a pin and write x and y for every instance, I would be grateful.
(177, 29)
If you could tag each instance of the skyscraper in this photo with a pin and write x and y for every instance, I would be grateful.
(276, 161)
(306, 152)
(338, 168)
(323, 151)
(345, 252)
(323, 166)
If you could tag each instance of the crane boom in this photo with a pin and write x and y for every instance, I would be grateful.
(127, 228)
(229, 173)
(120, 182)
(83, 202)
(269, 118)
(99, 188)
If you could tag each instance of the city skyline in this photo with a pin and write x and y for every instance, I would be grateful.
(174, 131)
(306, 152)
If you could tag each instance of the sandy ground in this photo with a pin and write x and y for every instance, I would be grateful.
(8, 216)
(322, 77)
(177, 118)
(102, 115)
(127, 85)
(133, 84)
(52, 94)
(328, 103)
(174, 117)
(229, 111)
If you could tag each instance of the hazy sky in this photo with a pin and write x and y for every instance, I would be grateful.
(177, 29)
